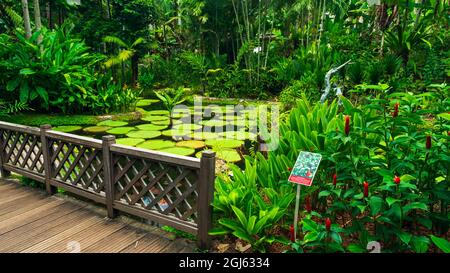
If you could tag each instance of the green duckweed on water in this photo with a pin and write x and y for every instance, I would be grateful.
(129, 141)
(112, 123)
(67, 128)
(120, 130)
(144, 134)
(156, 144)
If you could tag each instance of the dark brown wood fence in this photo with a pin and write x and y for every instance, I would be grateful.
(171, 190)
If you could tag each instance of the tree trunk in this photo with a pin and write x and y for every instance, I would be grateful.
(26, 19)
(37, 19)
(134, 69)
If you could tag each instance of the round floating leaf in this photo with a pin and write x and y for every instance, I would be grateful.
(112, 123)
(151, 127)
(67, 129)
(176, 133)
(158, 113)
(157, 144)
(120, 130)
(179, 151)
(129, 141)
(155, 118)
(214, 123)
(228, 155)
(144, 134)
(187, 127)
(224, 143)
(203, 135)
(145, 102)
(96, 129)
(240, 135)
(194, 144)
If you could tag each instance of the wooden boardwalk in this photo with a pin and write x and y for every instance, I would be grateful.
(32, 221)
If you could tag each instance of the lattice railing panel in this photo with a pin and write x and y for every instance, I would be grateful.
(78, 165)
(153, 185)
(22, 150)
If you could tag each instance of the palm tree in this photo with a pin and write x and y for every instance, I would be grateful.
(127, 52)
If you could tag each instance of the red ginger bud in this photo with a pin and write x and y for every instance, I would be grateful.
(328, 224)
(347, 125)
(308, 204)
(291, 233)
(334, 179)
(428, 143)
(366, 189)
(397, 180)
(395, 113)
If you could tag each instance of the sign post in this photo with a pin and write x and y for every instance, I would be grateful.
(303, 173)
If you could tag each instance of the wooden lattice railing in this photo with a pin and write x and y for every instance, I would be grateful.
(167, 189)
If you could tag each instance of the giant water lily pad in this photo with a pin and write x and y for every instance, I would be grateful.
(224, 143)
(194, 144)
(214, 123)
(158, 113)
(203, 135)
(154, 118)
(96, 129)
(240, 135)
(173, 132)
(145, 102)
(156, 144)
(112, 123)
(228, 155)
(144, 134)
(129, 141)
(67, 129)
(187, 127)
(179, 151)
(151, 127)
(120, 130)
(167, 122)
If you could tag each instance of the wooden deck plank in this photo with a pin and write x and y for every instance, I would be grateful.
(86, 223)
(86, 237)
(30, 215)
(63, 214)
(141, 244)
(32, 221)
(116, 241)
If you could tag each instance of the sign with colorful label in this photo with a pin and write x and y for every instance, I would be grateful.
(305, 168)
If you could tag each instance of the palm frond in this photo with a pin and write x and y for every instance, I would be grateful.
(115, 40)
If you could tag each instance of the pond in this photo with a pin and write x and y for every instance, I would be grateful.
(231, 131)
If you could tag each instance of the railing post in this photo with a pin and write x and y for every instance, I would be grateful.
(3, 173)
(47, 155)
(108, 173)
(205, 197)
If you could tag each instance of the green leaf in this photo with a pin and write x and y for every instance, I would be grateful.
(218, 231)
(324, 193)
(391, 200)
(404, 236)
(375, 204)
(26, 71)
(442, 244)
(13, 84)
(444, 116)
(353, 248)
(240, 215)
(414, 205)
(407, 178)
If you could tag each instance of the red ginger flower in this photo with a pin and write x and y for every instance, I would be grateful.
(397, 180)
(328, 224)
(347, 125)
(308, 204)
(290, 169)
(291, 233)
(366, 189)
(395, 113)
(334, 179)
(428, 143)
